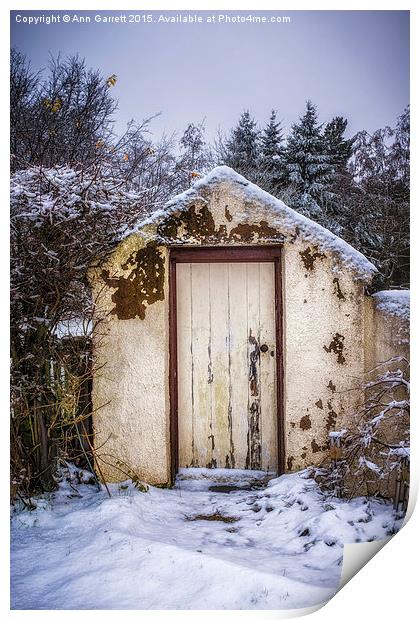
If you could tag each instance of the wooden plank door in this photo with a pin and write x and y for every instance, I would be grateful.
(226, 365)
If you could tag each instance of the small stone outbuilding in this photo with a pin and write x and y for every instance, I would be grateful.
(233, 334)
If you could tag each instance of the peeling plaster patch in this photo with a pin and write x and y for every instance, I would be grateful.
(143, 285)
(337, 289)
(222, 232)
(196, 222)
(336, 346)
(228, 214)
(309, 257)
(331, 386)
(319, 404)
(305, 423)
(295, 235)
(252, 232)
(290, 463)
(315, 447)
(331, 418)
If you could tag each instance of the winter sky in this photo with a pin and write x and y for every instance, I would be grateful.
(350, 63)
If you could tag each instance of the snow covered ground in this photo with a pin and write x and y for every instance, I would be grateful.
(260, 546)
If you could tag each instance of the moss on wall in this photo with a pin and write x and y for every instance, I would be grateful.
(141, 287)
(337, 290)
(309, 256)
(336, 346)
(197, 224)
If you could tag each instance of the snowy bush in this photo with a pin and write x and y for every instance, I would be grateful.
(373, 452)
(62, 221)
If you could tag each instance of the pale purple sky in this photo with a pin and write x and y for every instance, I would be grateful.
(349, 63)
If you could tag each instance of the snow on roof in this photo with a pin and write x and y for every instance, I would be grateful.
(288, 219)
(395, 302)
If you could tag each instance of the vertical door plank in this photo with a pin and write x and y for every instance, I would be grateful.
(201, 309)
(219, 363)
(253, 439)
(238, 364)
(268, 367)
(185, 400)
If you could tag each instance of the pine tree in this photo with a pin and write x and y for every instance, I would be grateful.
(338, 150)
(194, 154)
(307, 165)
(242, 148)
(337, 147)
(271, 162)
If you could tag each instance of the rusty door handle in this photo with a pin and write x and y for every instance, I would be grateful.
(264, 348)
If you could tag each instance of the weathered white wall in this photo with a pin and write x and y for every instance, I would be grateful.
(386, 337)
(131, 392)
(323, 311)
(323, 333)
(386, 333)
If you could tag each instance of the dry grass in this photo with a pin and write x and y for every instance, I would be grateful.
(216, 516)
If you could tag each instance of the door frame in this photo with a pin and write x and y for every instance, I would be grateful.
(230, 254)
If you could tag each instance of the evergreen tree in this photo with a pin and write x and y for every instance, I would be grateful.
(271, 163)
(376, 204)
(337, 148)
(242, 148)
(194, 154)
(307, 164)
